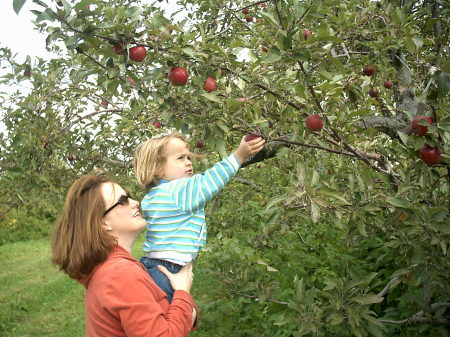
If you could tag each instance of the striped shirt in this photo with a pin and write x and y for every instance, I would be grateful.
(175, 212)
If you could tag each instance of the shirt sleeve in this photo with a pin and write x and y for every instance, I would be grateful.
(135, 300)
(191, 194)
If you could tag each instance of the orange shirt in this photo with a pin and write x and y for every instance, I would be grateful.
(122, 300)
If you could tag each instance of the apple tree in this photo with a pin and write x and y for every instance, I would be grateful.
(340, 226)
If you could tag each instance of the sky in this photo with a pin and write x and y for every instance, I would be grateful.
(17, 31)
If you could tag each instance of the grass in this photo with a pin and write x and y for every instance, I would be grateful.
(36, 299)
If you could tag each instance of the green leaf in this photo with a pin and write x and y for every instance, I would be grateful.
(329, 192)
(315, 211)
(336, 318)
(273, 55)
(275, 201)
(48, 15)
(17, 5)
(368, 299)
(400, 272)
(212, 97)
(400, 202)
(443, 84)
(403, 136)
(445, 66)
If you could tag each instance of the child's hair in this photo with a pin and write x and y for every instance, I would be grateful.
(149, 159)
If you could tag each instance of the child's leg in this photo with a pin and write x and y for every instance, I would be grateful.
(160, 279)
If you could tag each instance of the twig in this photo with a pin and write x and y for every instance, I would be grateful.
(249, 183)
(256, 298)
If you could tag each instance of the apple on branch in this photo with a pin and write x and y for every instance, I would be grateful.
(373, 92)
(118, 48)
(137, 53)
(249, 18)
(210, 84)
(314, 122)
(178, 76)
(199, 144)
(131, 80)
(369, 70)
(306, 33)
(104, 103)
(245, 11)
(430, 155)
(249, 137)
(157, 124)
(419, 129)
(388, 84)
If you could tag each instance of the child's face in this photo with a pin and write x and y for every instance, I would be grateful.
(178, 163)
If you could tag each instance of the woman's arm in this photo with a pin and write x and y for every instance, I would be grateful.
(142, 307)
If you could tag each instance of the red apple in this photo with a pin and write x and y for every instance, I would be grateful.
(388, 84)
(178, 76)
(250, 137)
(314, 122)
(137, 53)
(249, 18)
(131, 80)
(306, 33)
(71, 157)
(157, 124)
(418, 129)
(199, 144)
(430, 155)
(27, 73)
(104, 103)
(245, 11)
(118, 48)
(369, 70)
(373, 92)
(264, 49)
(210, 84)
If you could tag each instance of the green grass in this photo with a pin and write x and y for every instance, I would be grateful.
(36, 299)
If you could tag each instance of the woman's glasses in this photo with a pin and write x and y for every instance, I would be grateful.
(123, 200)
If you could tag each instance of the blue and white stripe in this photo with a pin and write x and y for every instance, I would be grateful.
(175, 212)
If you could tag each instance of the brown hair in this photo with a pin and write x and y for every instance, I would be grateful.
(149, 159)
(80, 242)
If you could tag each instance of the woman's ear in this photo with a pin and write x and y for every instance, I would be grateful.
(107, 227)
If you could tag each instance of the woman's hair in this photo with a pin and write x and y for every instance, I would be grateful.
(80, 241)
(149, 159)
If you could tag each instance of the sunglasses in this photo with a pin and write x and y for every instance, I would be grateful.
(124, 200)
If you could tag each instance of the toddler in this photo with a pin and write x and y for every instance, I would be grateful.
(174, 206)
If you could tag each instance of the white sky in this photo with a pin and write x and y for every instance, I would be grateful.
(17, 31)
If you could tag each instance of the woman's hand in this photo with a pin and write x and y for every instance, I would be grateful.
(181, 280)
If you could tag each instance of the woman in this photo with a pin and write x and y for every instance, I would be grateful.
(92, 243)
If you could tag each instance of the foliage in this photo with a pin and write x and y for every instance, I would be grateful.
(341, 232)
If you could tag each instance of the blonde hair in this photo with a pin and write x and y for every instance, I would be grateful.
(149, 159)
(79, 240)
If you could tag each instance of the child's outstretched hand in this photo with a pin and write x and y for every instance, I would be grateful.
(249, 148)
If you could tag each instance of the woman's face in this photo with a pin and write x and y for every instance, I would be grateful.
(123, 219)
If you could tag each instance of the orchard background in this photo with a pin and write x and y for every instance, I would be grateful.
(343, 231)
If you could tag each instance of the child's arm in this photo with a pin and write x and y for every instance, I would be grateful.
(193, 193)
